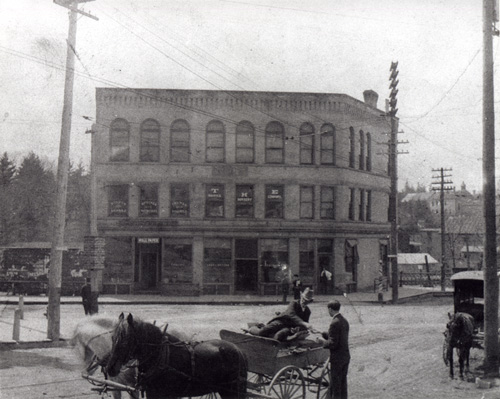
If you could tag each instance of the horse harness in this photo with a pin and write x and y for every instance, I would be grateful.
(164, 363)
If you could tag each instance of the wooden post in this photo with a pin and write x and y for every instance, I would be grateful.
(21, 306)
(16, 331)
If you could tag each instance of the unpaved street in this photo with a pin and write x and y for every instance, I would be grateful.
(396, 350)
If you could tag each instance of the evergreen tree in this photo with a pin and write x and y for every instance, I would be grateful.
(7, 174)
(34, 195)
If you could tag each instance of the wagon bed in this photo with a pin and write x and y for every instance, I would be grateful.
(283, 370)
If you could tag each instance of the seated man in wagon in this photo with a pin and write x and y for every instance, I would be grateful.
(289, 325)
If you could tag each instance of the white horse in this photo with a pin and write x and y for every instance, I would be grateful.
(92, 339)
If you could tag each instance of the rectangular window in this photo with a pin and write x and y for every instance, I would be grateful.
(120, 145)
(214, 201)
(148, 203)
(327, 203)
(179, 200)
(307, 145)
(352, 203)
(361, 214)
(118, 200)
(368, 206)
(178, 267)
(306, 202)
(245, 142)
(217, 263)
(274, 201)
(150, 141)
(274, 147)
(244, 201)
(327, 155)
(215, 142)
(274, 258)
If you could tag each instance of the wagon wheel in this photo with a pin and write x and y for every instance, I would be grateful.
(211, 395)
(324, 383)
(257, 382)
(288, 383)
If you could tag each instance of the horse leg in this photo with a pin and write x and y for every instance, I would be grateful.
(461, 361)
(450, 360)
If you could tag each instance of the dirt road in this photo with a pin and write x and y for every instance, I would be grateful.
(396, 350)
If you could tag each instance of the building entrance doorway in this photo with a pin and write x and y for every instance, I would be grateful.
(149, 261)
(246, 266)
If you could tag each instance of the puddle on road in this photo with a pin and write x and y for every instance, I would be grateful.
(56, 358)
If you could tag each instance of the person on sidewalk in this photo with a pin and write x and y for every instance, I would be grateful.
(296, 287)
(325, 279)
(285, 288)
(293, 321)
(86, 294)
(337, 340)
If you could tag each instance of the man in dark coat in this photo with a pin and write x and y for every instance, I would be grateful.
(296, 316)
(86, 294)
(337, 340)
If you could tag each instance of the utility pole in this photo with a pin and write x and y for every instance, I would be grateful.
(393, 172)
(491, 347)
(56, 252)
(442, 188)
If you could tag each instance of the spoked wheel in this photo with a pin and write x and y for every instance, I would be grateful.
(324, 383)
(288, 383)
(212, 395)
(257, 382)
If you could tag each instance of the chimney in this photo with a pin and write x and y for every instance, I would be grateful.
(371, 98)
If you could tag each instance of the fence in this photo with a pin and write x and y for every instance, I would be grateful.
(426, 279)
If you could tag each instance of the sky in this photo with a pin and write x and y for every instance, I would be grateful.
(322, 46)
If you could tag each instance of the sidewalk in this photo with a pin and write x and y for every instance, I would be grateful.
(33, 328)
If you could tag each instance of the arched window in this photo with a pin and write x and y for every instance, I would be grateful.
(216, 138)
(245, 142)
(275, 143)
(306, 144)
(361, 150)
(119, 141)
(352, 148)
(368, 152)
(150, 141)
(179, 141)
(328, 139)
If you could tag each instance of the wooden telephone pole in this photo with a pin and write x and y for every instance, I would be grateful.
(393, 172)
(442, 188)
(56, 252)
(491, 356)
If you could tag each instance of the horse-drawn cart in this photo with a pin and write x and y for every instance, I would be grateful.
(282, 370)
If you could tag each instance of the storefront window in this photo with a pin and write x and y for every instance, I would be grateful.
(118, 260)
(274, 259)
(179, 200)
(217, 257)
(178, 262)
(118, 200)
(148, 205)
(274, 201)
(214, 201)
(244, 201)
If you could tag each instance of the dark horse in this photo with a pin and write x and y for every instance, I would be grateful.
(459, 334)
(169, 367)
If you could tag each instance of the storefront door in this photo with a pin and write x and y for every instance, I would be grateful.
(247, 266)
(149, 260)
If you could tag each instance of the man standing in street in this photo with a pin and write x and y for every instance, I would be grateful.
(337, 340)
(86, 294)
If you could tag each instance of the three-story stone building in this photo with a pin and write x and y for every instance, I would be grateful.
(226, 192)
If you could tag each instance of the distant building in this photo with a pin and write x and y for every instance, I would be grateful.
(220, 192)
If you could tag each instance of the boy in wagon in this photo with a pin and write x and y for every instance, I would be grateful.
(291, 324)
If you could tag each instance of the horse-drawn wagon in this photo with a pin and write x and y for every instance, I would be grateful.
(283, 370)
(238, 365)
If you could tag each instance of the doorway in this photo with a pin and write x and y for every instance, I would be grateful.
(149, 261)
(246, 266)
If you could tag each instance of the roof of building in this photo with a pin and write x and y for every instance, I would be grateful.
(41, 245)
(415, 259)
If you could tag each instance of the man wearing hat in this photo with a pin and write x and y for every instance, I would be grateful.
(296, 317)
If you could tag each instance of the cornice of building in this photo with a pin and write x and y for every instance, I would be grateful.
(198, 100)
